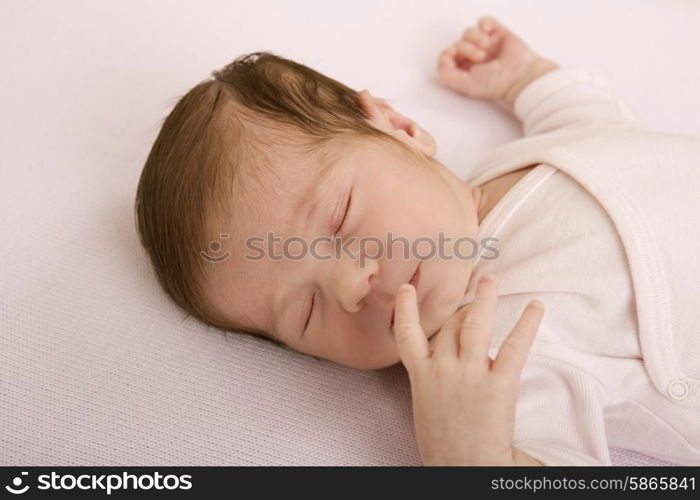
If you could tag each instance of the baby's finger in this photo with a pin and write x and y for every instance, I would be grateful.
(470, 51)
(476, 331)
(410, 339)
(488, 24)
(446, 61)
(451, 75)
(513, 351)
(477, 37)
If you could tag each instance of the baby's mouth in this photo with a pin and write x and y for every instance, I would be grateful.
(415, 278)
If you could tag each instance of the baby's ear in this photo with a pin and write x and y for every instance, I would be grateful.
(385, 118)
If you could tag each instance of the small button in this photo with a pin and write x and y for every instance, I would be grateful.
(677, 389)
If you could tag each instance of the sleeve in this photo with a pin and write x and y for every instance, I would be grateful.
(560, 414)
(571, 97)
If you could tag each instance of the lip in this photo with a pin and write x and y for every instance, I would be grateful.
(415, 280)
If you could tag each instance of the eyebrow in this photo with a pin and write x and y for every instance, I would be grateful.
(313, 196)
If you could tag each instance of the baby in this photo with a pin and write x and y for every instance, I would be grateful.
(279, 202)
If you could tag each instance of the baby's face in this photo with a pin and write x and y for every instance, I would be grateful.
(329, 301)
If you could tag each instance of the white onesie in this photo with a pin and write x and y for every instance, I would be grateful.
(585, 387)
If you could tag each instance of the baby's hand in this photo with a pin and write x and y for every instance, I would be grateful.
(463, 401)
(488, 62)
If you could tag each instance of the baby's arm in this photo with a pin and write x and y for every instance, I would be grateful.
(490, 62)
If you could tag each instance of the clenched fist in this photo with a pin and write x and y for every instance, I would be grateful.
(490, 62)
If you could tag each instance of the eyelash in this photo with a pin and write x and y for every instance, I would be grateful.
(340, 225)
(345, 214)
(308, 319)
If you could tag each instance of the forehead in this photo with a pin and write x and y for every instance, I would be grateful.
(288, 184)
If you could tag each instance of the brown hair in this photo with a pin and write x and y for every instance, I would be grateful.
(206, 139)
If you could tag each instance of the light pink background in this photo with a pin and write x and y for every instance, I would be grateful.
(96, 364)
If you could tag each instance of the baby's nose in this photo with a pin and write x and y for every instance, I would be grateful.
(354, 284)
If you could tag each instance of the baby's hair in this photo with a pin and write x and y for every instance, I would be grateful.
(209, 137)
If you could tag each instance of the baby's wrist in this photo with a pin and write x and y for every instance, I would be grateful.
(534, 70)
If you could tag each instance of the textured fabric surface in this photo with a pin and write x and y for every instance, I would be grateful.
(97, 367)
